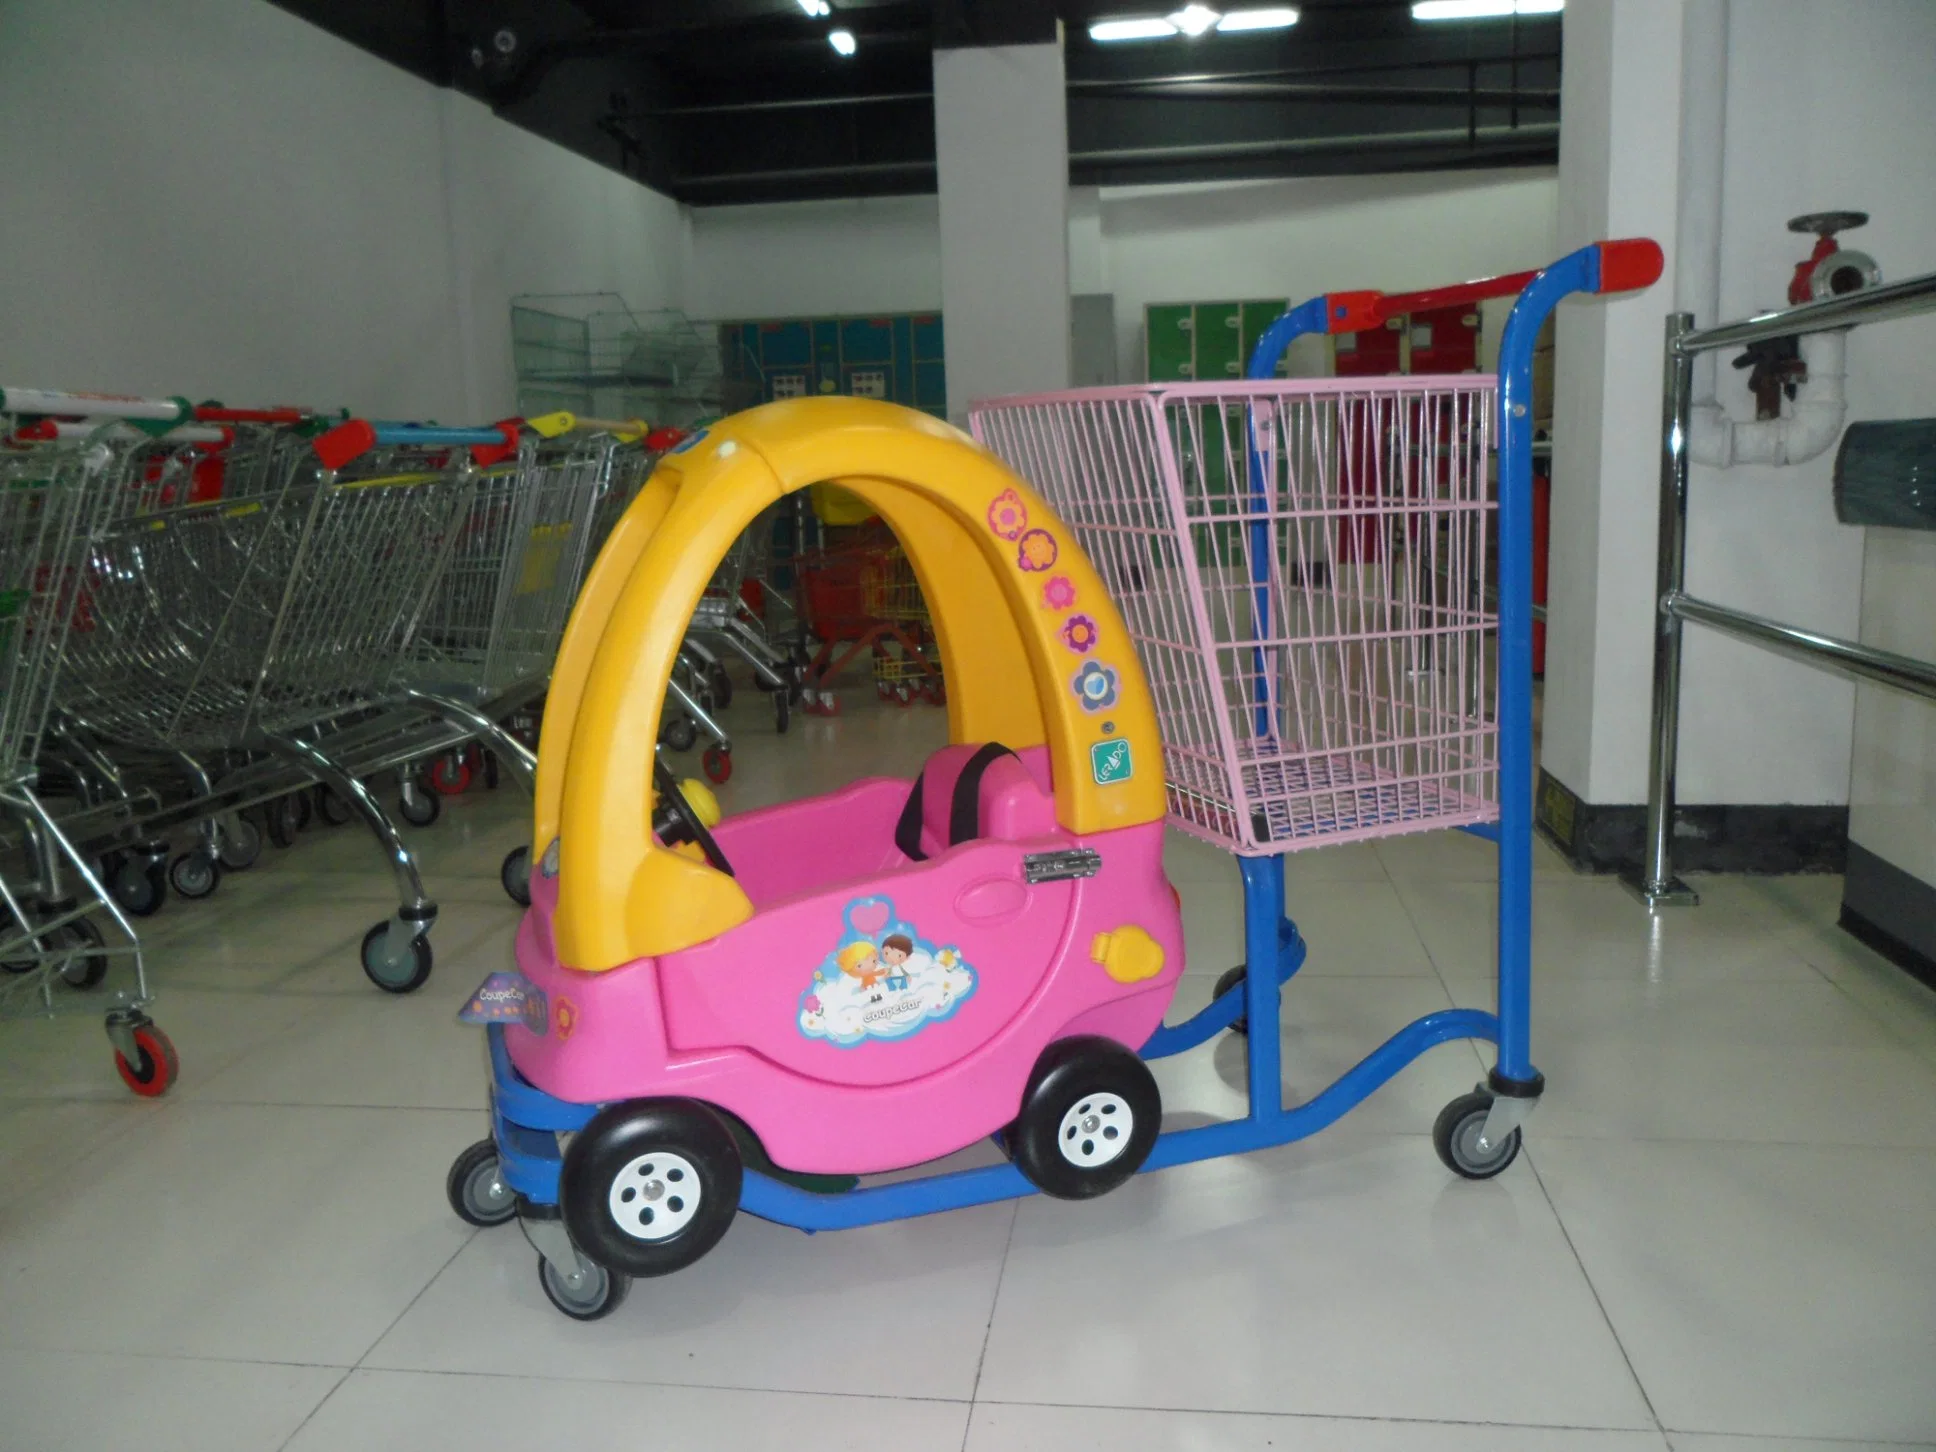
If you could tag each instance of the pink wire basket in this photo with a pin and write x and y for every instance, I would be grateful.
(1306, 567)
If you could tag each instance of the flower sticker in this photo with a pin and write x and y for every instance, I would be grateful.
(1007, 515)
(1079, 633)
(1095, 686)
(1037, 550)
(565, 1018)
(1059, 592)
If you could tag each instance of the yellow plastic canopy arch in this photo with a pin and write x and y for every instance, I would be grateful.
(1032, 648)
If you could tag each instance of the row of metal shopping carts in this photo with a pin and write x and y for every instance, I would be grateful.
(207, 611)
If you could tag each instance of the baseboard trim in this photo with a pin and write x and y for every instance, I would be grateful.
(1891, 910)
(1756, 839)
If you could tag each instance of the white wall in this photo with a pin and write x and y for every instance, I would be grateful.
(1183, 243)
(816, 259)
(1828, 107)
(214, 198)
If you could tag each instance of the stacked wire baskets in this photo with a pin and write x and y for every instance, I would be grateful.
(1304, 567)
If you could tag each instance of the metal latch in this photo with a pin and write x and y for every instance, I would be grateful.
(1056, 866)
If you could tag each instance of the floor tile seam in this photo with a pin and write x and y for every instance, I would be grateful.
(988, 1329)
(96, 1349)
(380, 1369)
(321, 1402)
(1606, 1317)
(1748, 1440)
(1356, 1417)
(422, 1291)
(1438, 973)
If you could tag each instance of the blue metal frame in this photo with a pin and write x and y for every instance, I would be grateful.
(526, 1120)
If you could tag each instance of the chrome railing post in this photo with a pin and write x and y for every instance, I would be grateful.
(1655, 883)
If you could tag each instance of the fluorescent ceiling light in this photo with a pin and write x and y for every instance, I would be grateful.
(816, 8)
(841, 40)
(1279, 18)
(1145, 29)
(1483, 9)
(1194, 19)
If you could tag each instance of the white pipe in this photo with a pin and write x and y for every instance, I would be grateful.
(1713, 438)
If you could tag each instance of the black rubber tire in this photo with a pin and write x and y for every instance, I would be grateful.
(140, 888)
(1457, 1128)
(490, 771)
(477, 1193)
(241, 845)
(194, 876)
(515, 874)
(622, 1139)
(1070, 1075)
(429, 807)
(601, 1297)
(680, 733)
(782, 712)
(285, 819)
(720, 685)
(332, 808)
(391, 977)
(84, 973)
(1225, 980)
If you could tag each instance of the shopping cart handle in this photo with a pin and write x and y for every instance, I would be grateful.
(215, 413)
(1628, 264)
(351, 440)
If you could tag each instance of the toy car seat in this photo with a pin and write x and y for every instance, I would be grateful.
(969, 792)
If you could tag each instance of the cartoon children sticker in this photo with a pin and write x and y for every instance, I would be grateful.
(881, 981)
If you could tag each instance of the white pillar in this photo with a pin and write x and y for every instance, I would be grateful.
(1002, 160)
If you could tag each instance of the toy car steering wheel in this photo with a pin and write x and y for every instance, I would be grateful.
(675, 800)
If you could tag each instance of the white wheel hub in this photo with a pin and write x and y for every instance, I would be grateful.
(655, 1196)
(1095, 1130)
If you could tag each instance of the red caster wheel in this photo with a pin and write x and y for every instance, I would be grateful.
(904, 694)
(935, 691)
(158, 1066)
(717, 764)
(886, 689)
(450, 775)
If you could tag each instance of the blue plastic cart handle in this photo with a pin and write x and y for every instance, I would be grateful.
(389, 433)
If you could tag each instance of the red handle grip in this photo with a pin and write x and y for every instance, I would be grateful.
(345, 443)
(215, 413)
(1630, 264)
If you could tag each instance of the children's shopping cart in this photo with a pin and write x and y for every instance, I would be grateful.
(1276, 590)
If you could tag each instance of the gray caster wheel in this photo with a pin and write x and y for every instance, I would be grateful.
(421, 807)
(395, 973)
(1457, 1133)
(241, 844)
(194, 875)
(515, 874)
(139, 886)
(476, 1188)
(590, 1293)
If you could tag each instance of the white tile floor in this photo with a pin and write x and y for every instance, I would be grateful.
(1721, 1238)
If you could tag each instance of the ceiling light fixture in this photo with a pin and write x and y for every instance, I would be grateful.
(1277, 18)
(1194, 20)
(842, 41)
(816, 8)
(1483, 9)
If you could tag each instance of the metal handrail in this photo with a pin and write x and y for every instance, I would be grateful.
(1655, 883)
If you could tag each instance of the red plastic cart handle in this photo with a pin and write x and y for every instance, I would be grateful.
(1627, 265)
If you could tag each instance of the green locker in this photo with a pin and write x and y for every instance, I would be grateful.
(1170, 349)
(1258, 316)
(1216, 330)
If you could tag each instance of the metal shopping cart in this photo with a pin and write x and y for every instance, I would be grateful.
(893, 596)
(845, 584)
(53, 956)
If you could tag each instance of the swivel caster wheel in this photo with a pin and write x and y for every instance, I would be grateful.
(155, 1066)
(194, 875)
(588, 1294)
(392, 970)
(241, 844)
(680, 734)
(286, 817)
(717, 764)
(1232, 978)
(515, 875)
(1459, 1137)
(476, 1187)
(420, 808)
(140, 886)
(332, 808)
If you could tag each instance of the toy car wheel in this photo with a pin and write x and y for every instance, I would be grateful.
(590, 1294)
(718, 764)
(241, 844)
(86, 964)
(782, 712)
(515, 874)
(680, 734)
(421, 809)
(1088, 1120)
(1457, 1132)
(156, 1065)
(391, 971)
(650, 1185)
(139, 887)
(1231, 978)
(332, 808)
(476, 1186)
(194, 875)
